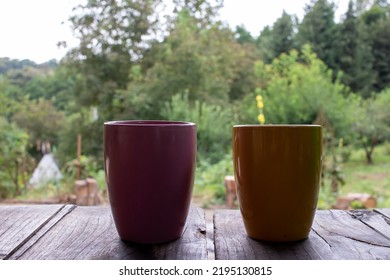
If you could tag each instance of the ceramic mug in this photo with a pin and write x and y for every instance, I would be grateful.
(149, 168)
(277, 171)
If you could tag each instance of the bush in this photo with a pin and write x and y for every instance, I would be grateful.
(298, 88)
(13, 153)
(209, 180)
(214, 125)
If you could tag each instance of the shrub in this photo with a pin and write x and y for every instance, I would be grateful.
(214, 125)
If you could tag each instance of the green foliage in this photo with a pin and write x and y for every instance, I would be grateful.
(372, 122)
(112, 27)
(7, 105)
(213, 125)
(282, 35)
(375, 13)
(354, 55)
(60, 87)
(296, 88)
(355, 204)
(278, 39)
(13, 152)
(40, 119)
(87, 166)
(345, 153)
(111, 39)
(243, 36)
(7, 64)
(9, 95)
(204, 62)
(380, 41)
(318, 29)
(386, 146)
(91, 131)
(263, 44)
(377, 31)
(209, 179)
(203, 11)
(359, 177)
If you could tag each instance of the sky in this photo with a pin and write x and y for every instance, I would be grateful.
(31, 29)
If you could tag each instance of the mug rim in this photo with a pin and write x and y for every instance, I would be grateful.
(276, 125)
(148, 123)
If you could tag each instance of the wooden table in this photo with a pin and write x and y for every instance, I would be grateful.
(335, 234)
(88, 232)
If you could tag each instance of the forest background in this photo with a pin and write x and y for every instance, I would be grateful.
(133, 63)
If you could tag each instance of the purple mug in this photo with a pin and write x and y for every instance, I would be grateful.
(150, 169)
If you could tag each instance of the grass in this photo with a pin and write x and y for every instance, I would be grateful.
(55, 191)
(50, 192)
(361, 177)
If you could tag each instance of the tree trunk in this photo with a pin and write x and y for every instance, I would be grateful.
(369, 157)
(369, 150)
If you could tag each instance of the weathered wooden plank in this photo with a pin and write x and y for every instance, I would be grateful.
(350, 237)
(374, 219)
(383, 211)
(335, 235)
(15, 254)
(89, 233)
(232, 243)
(18, 223)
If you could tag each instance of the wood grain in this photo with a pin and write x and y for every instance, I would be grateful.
(353, 235)
(90, 233)
(335, 234)
(18, 223)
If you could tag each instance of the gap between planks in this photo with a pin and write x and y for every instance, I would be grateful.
(39, 232)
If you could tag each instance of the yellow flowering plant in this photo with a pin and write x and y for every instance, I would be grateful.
(260, 106)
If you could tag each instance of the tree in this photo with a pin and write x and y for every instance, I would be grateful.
(362, 6)
(60, 87)
(204, 12)
(278, 39)
(381, 53)
(243, 36)
(318, 29)
(244, 80)
(40, 119)
(376, 22)
(7, 64)
(208, 64)
(372, 122)
(282, 34)
(354, 56)
(112, 36)
(263, 44)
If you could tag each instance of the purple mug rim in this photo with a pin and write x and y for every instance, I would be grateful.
(148, 123)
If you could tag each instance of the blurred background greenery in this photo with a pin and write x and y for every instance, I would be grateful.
(192, 67)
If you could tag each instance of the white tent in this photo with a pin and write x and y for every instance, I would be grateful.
(46, 171)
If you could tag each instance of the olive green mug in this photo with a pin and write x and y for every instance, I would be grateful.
(277, 171)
